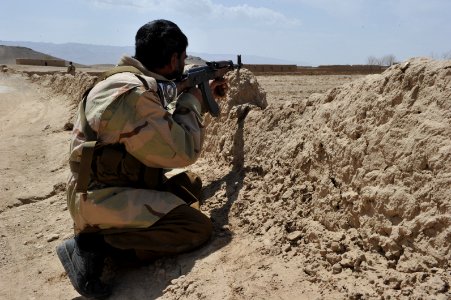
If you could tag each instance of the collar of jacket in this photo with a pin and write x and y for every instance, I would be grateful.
(130, 61)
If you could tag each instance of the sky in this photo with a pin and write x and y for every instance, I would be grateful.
(305, 32)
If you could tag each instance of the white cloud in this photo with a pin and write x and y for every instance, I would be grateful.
(198, 9)
(337, 7)
(256, 13)
(126, 3)
(346, 8)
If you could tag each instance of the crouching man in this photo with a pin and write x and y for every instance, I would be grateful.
(133, 128)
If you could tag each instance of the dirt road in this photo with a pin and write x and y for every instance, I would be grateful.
(33, 214)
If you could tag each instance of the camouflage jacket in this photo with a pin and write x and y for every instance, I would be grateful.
(120, 110)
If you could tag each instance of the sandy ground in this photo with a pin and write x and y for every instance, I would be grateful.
(291, 221)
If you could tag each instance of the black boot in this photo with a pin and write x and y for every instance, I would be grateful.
(84, 269)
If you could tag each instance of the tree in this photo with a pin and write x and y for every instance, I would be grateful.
(373, 61)
(388, 60)
(447, 55)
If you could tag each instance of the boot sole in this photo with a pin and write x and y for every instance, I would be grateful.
(65, 255)
(64, 252)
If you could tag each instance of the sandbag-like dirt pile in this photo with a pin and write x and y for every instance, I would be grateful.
(71, 86)
(358, 177)
(351, 186)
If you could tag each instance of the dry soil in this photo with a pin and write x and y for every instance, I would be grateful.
(319, 187)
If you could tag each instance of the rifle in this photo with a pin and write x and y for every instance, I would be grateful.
(200, 77)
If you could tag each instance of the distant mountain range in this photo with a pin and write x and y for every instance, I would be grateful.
(87, 54)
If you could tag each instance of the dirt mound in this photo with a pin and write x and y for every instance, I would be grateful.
(373, 155)
(361, 174)
(61, 83)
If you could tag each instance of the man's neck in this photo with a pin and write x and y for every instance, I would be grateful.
(130, 61)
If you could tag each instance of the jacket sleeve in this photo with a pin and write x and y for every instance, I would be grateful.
(150, 133)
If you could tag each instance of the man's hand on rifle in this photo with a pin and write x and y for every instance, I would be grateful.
(219, 87)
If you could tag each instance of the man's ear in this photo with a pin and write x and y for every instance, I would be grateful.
(174, 61)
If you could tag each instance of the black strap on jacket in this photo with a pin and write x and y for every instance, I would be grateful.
(84, 167)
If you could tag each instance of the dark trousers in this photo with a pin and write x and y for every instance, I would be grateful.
(182, 229)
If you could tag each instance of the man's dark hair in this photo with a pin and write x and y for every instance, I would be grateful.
(156, 41)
